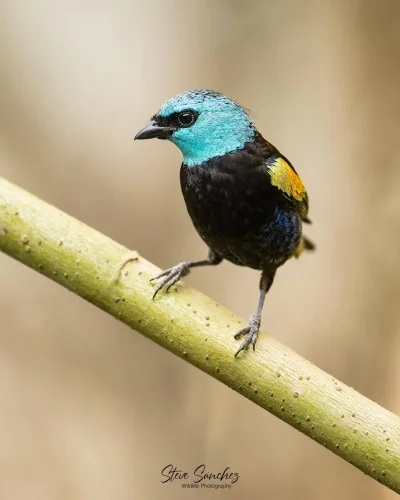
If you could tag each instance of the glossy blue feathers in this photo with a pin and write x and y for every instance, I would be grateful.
(222, 126)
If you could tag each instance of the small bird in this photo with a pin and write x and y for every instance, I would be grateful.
(244, 197)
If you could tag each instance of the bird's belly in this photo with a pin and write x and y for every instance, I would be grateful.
(244, 232)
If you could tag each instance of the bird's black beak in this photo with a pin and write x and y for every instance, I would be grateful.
(152, 130)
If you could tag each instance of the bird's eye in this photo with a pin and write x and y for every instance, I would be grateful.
(186, 118)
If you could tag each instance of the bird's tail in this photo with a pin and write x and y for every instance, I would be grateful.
(305, 244)
(308, 244)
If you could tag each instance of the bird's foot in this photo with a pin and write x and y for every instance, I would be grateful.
(172, 275)
(251, 332)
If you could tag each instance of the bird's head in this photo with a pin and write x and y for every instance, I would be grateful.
(203, 124)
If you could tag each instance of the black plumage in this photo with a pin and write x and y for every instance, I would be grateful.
(238, 212)
(244, 197)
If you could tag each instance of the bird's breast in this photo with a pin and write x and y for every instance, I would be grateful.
(239, 215)
(223, 205)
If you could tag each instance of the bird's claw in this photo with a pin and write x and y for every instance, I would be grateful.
(172, 275)
(251, 332)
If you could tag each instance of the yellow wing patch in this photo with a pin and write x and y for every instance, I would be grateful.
(286, 179)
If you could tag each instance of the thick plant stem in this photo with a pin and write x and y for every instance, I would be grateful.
(200, 331)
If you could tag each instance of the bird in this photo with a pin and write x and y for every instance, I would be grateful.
(244, 197)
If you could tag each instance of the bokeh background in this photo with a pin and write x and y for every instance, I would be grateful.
(90, 409)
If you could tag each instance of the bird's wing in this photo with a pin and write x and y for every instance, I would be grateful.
(284, 177)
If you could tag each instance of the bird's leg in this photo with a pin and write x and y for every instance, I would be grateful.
(251, 330)
(174, 274)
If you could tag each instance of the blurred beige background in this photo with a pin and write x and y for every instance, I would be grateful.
(89, 409)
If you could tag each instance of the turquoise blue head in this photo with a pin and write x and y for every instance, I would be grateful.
(203, 124)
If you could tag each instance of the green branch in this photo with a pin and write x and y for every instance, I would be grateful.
(200, 331)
